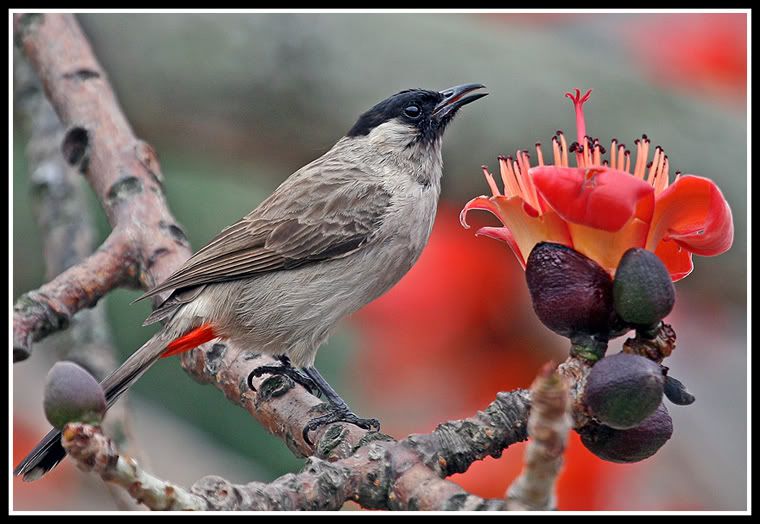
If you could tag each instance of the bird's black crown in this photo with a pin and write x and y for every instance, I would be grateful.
(413, 106)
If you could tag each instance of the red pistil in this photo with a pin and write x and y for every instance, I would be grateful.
(580, 121)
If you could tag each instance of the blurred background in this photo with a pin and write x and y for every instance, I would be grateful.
(235, 103)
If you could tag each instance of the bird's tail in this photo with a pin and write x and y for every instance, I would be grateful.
(49, 452)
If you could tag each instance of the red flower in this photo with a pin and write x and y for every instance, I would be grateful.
(701, 52)
(603, 207)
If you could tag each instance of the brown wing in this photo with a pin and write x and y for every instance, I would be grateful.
(320, 212)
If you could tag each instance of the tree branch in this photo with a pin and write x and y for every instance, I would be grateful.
(381, 474)
(61, 211)
(549, 422)
(93, 451)
(146, 244)
(284, 408)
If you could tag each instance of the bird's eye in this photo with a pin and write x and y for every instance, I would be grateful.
(412, 111)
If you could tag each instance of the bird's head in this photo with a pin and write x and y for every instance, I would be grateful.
(414, 116)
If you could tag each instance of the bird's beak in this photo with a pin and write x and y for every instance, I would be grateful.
(456, 97)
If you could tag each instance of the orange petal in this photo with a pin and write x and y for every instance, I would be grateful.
(505, 235)
(693, 213)
(676, 259)
(606, 248)
(522, 230)
(597, 197)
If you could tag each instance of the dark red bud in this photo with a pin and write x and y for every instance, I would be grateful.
(623, 389)
(629, 445)
(571, 293)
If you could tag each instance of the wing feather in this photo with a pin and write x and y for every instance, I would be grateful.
(321, 212)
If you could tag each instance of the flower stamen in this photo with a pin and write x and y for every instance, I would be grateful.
(597, 154)
(638, 170)
(586, 151)
(555, 151)
(621, 158)
(521, 169)
(515, 174)
(511, 187)
(575, 148)
(491, 182)
(525, 168)
(539, 154)
(563, 149)
(655, 164)
(508, 178)
(643, 152)
(661, 164)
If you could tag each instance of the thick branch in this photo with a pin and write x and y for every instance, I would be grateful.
(146, 244)
(382, 475)
(284, 408)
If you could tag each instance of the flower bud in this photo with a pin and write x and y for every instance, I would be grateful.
(643, 291)
(629, 445)
(622, 390)
(72, 395)
(571, 293)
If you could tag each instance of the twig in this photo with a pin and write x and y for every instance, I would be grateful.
(146, 243)
(548, 426)
(93, 451)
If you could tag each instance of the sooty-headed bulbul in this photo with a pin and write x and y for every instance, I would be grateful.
(335, 235)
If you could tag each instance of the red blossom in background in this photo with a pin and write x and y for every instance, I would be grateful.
(603, 207)
(704, 53)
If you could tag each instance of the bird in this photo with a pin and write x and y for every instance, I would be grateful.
(334, 236)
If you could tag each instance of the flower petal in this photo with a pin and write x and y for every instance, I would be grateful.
(504, 235)
(522, 230)
(676, 259)
(693, 213)
(598, 197)
(606, 248)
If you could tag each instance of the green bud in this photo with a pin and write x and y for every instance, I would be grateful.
(643, 291)
(72, 395)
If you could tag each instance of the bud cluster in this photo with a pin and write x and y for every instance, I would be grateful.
(576, 298)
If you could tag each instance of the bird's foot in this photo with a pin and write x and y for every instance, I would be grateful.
(339, 414)
(287, 369)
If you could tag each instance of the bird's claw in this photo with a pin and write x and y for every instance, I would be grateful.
(339, 415)
(289, 371)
